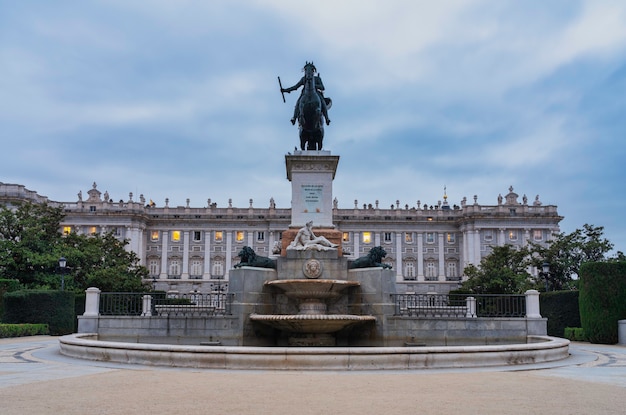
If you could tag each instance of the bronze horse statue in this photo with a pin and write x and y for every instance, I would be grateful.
(310, 121)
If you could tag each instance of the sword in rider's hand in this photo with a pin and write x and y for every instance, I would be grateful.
(281, 89)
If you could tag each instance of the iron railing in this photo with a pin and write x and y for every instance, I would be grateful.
(162, 304)
(454, 305)
(121, 304)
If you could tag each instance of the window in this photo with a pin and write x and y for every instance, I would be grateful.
(260, 236)
(67, 230)
(219, 236)
(430, 238)
(431, 271)
(512, 235)
(488, 235)
(196, 268)
(92, 208)
(537, 235)
(154, 236)
(345, 237)
(218, 269)
(408, 237)
(451, 237)
(197, 236)
(174, 268)
(175, 236)
(409, 271)
(387, 236)
(93, 230)
(153, 266)
(239, 236)
(451, 270)
(367, 237)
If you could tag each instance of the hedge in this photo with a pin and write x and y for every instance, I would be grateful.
(55, 308)
(602, 300)
(21, 330)
(561, 310)
(6, 286)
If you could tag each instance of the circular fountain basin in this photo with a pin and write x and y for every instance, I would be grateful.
(538, 349)
(311, 323)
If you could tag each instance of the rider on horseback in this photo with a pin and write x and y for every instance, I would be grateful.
(319, 88)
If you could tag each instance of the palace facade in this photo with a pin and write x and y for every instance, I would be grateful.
(189, 248)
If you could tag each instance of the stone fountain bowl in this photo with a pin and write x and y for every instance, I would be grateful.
(311, 288)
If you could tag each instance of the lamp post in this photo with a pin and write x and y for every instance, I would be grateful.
(62, 267)
(545, 267)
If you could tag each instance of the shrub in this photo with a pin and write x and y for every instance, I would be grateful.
(55, 308)
(602, 300)
(561, 310)
(576, 334)
(21, 330)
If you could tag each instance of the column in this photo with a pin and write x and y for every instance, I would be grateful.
(357, 247)
(399, 270)
(442, 263)
(228, 254)
(207, 255)
(477, 256)
(501, 237)
(185, 274)
(420, 256)
(165, 235)
(470, 247)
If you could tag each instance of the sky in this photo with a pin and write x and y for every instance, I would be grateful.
(180, 99)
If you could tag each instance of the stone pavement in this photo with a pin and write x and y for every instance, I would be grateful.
(36, 379)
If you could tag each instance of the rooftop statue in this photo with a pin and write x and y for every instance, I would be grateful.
(306, 239)
(310, 108)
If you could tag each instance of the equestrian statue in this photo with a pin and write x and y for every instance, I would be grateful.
(311, 108)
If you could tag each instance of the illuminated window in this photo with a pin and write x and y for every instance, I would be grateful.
(93, 230)
(512, 236)
(175, 236)
(345, 237)
(239, 236)
(408, 238)
(367, 237)
(430, 238)
(451, 238)
(67, 230)
(154, 235)
(219, 236)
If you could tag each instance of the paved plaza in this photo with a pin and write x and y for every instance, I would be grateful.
(36, 379)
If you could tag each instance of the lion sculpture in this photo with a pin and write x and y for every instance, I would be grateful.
(372, 259)
(249, 258)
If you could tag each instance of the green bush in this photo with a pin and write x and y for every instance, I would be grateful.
(602, 300)
(55, 308)
(6, 286)
(576, 334)
(561, 310)
(21, 330)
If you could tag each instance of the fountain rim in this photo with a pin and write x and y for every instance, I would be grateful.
(538, 349)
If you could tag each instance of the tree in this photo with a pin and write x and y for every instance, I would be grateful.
(31, 244)
(567, 252)
(503, 271)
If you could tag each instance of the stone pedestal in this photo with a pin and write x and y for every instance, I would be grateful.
(311, 174)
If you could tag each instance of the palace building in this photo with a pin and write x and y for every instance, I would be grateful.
(190, 249)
